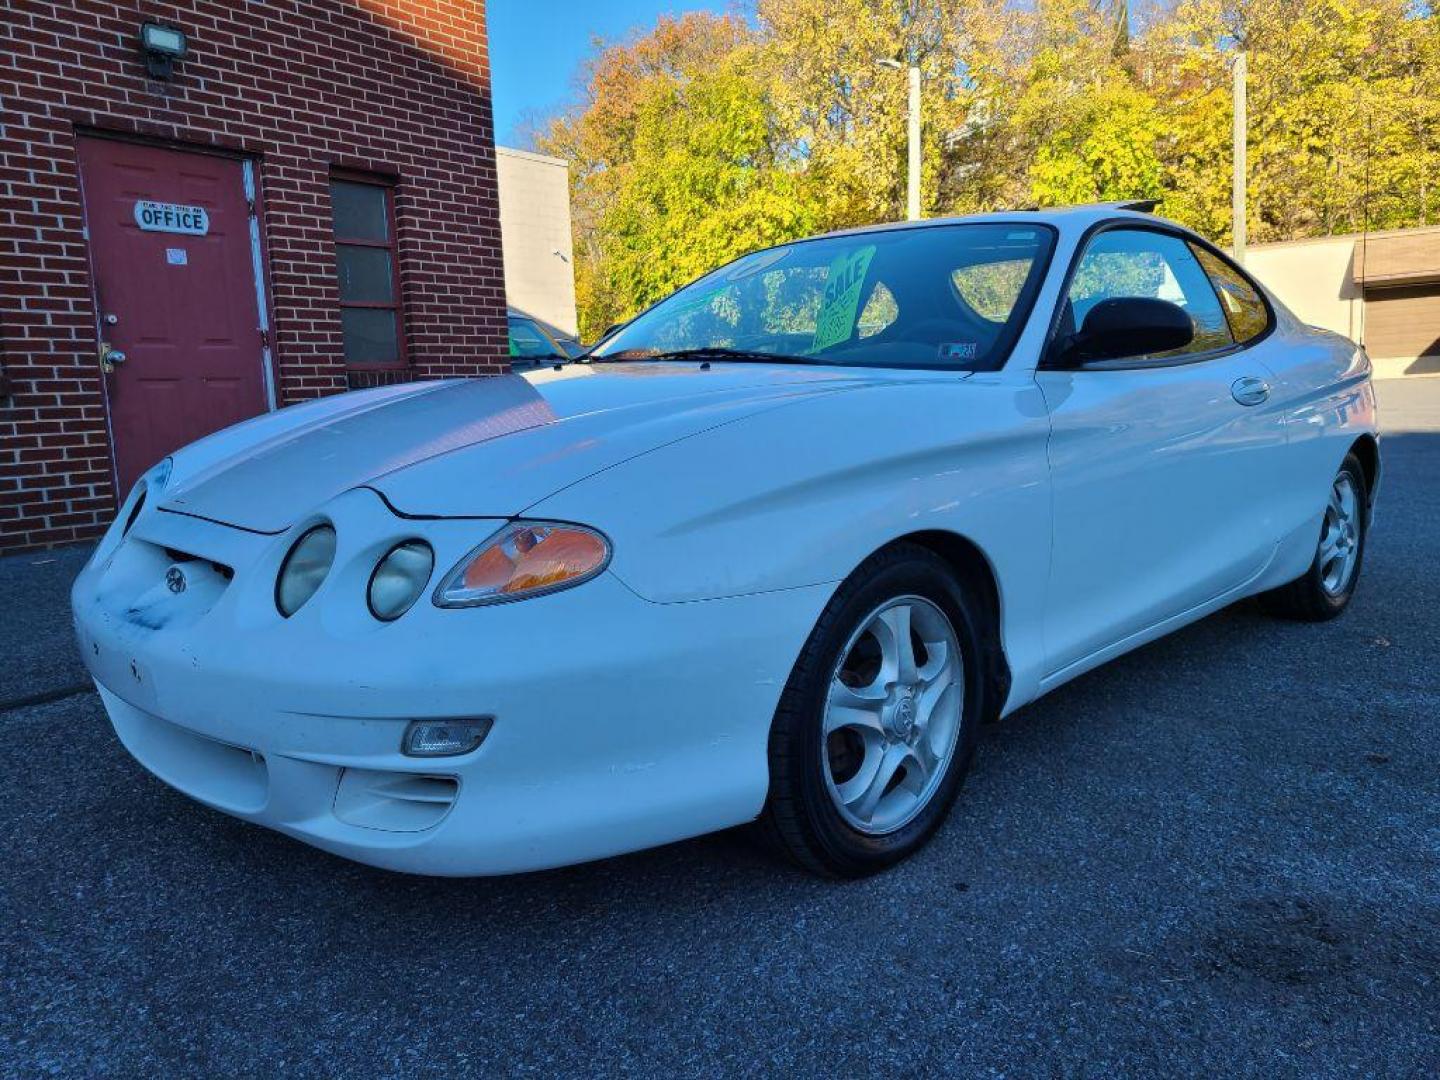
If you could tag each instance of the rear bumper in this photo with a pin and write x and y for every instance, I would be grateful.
(618, 724)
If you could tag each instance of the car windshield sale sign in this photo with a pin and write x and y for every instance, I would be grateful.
(171, 218)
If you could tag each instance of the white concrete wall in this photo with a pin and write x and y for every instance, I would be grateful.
(534, 226)
(1313, 279)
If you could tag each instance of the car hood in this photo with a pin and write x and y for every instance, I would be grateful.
(485, 447)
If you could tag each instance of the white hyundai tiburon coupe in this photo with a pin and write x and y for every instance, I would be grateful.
(773, 551)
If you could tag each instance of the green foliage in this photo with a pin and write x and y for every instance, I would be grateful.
(1102, 145)
(710, 136)
(703, 186)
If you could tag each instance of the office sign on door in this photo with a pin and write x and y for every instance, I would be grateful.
(171, 218)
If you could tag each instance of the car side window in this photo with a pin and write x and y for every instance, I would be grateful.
(990, 288)
(526, 340)
(879, 311)
(1246, 311)
(1154, 265)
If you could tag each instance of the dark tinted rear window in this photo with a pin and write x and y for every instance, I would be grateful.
(1244, 309)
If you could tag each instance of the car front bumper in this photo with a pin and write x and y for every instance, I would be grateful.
(619, 724)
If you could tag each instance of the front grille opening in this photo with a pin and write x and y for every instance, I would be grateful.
(175, 555)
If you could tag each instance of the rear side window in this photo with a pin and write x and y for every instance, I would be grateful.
(878, 313)
(991, 288)
(1138, 262)
(1244, 309)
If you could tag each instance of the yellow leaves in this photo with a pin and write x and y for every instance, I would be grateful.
(711, 136)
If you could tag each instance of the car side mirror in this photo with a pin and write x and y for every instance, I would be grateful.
(1126, 326)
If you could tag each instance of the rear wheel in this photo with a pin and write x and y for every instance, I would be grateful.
(1324, 590)
(878, 722)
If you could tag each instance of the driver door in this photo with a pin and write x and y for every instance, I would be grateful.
(1162, 480)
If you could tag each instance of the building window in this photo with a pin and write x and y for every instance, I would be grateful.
(363, 213)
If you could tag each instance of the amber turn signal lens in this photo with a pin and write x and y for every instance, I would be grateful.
(525, 558)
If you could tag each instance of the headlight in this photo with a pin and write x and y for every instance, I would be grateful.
(304, 569)
(399, 579)
(525, 558)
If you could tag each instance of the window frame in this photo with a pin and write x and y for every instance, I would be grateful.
(387, 186)
(1049, 353)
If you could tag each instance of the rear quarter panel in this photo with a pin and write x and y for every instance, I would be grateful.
(1323, 386)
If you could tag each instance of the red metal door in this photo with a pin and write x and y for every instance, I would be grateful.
(174, 264)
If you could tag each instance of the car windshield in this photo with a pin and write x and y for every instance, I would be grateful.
(943, 296)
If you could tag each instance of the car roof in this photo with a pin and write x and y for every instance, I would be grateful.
(1065, 218)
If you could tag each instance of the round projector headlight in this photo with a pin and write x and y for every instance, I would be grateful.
(399, 579)
(304, 569)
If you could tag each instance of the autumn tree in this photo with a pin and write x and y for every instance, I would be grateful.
(1090, 129)
(1343, 120)
(597, 137)
(710, 136)
(709, 179)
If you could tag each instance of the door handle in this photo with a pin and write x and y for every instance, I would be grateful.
(109, 357)
(1250, 390)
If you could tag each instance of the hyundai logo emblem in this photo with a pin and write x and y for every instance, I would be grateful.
(175, 579)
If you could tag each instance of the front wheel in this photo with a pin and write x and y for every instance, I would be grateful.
(1325, 589)
(877, 725)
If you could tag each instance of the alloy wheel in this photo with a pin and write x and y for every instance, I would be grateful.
(1340, 536)
(893, 715)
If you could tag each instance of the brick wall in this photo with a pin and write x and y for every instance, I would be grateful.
(399, 89)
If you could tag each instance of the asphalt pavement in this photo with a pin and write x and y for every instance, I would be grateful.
(1219, 855)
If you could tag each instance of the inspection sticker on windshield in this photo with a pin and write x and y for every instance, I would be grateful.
(842, 298)
(959, 350)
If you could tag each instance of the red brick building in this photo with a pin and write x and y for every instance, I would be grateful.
(302, 201)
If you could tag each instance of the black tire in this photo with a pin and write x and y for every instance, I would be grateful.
(800, 820)
(1306, 599)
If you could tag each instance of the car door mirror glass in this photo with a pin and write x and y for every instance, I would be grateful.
(1130, 326)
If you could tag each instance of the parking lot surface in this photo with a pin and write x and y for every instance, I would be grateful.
(1217, 855)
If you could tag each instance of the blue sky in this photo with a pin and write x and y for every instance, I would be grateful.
(536, 47)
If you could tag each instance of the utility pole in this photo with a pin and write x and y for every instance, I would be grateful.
(912, 200)
(912, 184)
(1237, 138)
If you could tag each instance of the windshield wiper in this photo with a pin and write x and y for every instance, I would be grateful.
(748, 356)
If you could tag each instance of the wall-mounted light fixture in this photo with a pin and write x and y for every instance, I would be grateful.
(162, 46)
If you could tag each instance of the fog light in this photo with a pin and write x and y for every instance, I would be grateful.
(444, 738)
